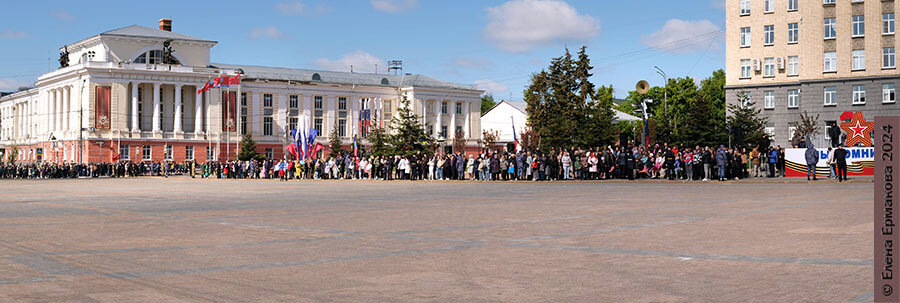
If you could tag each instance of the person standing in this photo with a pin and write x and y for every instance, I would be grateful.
(829, 160)
(840, 158)
(773, 159)
(721, 162)
(812, 157)
(566, 165)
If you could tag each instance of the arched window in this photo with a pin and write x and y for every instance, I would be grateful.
(384, 81)
(316, 77)
(156, 57)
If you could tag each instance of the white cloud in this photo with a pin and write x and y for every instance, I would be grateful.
(522, 25)
(471, 63)
(491, 87)
(11, 85)
(683, 37)
(267, 32)
(393, 6)
(11, 34)
(63, 15)
(362, 62)
(720, 4)
(293, 8)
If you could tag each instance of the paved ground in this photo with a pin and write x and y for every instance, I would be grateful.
(183, 240)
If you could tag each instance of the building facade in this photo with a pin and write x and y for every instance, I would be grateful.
(122, 97)
(823, 57)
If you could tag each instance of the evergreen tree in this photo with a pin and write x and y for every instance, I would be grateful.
(334, 142)
(408, 136)
(598, 127)
(745, 116)
(248, 150)
(699, 127)
(379, 139)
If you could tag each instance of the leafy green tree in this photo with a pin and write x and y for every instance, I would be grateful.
(334, 142)
(409, 137)
(713, 90)
(379, 139)
(248, 150)
(487, 102)
(699, 126)
(745, 116)
(13, 154)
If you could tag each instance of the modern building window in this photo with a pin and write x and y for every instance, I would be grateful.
(294, 102)
(830, 94)
(793, 98)
(145, 153)
(792, 5)
(459, 108)
(769, 6)
(769, 68)
(769, 97)
(859, 26)
(124, 152)
(830, 61)
(887, 91)
(770, 130)
(267, 126)
(769, 32)
(267, 100)
(746, 69)
(746, 99)
(859, 59)
(830, 28)
(793, 32)
(168, 151)
(888, 58)
(745, 37)
(189, 153)
(745, 7)
(828, 2)
(887, 21)
(793, 65)
(859, 94)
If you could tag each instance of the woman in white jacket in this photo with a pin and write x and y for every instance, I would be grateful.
(830, 161)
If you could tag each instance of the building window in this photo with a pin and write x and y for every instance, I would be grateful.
(792, 5)
(793, 98)
(745, 68)
(267, 126)
(443, 131)
(887, 91)
(210, 154)
(459, 110)
(769, 33)
(145, 153)
(140, 107)
(292, 123)
(859, 59)
(887, 21)
(745, 37)
(830, 28)
(859, 94)
(270, 153)
(769, 69)
(317, 124)
(342, 116)
(769, 97)
(189, 153)
(317, 104)
(342, 103)
(830, 61)
(267, 100)
(342, 128)
(830, 93)
(859, 26)
(243, 99)
(125, 152)
(828, 2)
(459, 130)
(243, 124)
(793, 32)
(745, 96)
(444, 107)
(769, 5)
(888, 57)
(745, 7)
(294, 102)
(793, 66)
(168, 151)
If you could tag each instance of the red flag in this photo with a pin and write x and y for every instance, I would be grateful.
(205, 87)
(236, 80)
(292, 148)
(319, 147)
(221, 81)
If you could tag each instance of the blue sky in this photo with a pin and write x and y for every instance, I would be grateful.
(494, 44)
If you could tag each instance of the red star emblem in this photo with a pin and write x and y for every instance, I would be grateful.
(858, 130)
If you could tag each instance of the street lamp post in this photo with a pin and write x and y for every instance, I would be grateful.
(665, 89)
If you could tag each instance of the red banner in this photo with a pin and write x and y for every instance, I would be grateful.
(229, 111)
(101, 103)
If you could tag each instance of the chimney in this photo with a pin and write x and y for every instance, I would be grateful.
(165, 24)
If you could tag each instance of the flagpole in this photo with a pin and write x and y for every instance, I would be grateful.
(237, 112)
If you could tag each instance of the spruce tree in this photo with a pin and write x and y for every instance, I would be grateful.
(408, 136)
(334, 142)
(248, 149)
(379, 139)
(745, 116)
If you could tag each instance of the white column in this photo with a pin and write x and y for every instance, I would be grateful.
(57, 110)
(67, 102)
(135, 127)
(256, 121)
(50, 109)
(451, 131)
(467, 126)
(198, 113)
(436, 108)
(156, 127)
(177, 123)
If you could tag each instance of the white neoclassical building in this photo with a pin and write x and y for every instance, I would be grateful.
(120, 98)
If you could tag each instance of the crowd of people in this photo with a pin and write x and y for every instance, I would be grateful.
(610, 162)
